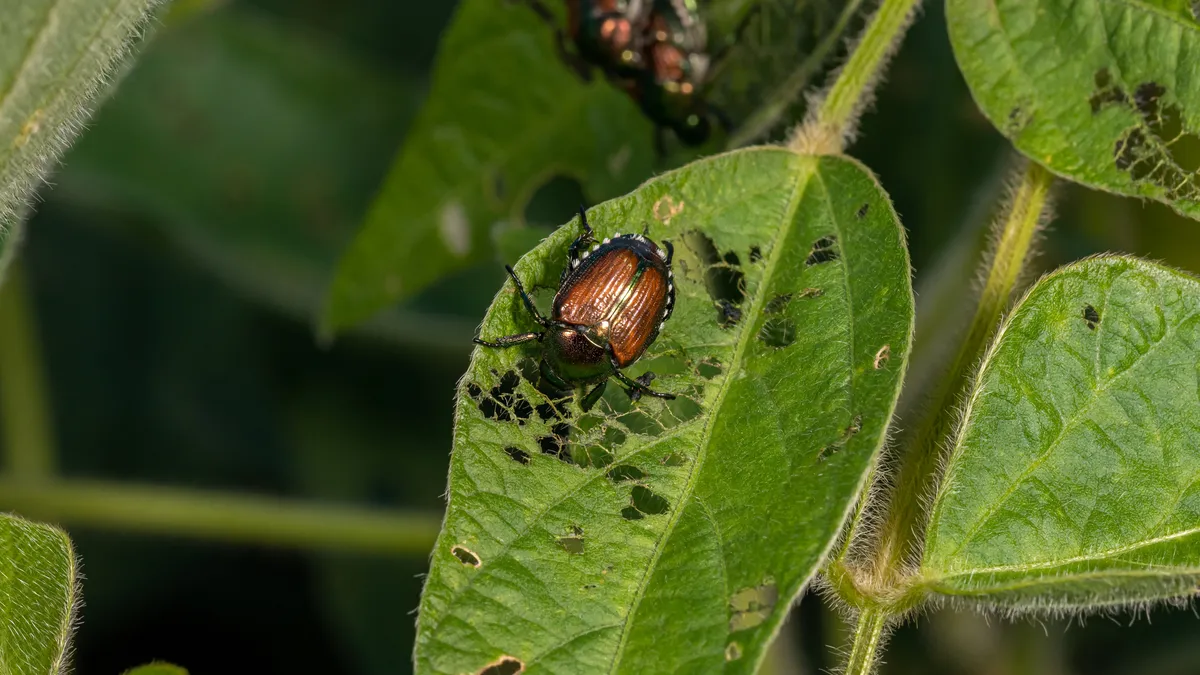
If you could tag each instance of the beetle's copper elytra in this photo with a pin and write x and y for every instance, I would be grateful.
(612, 301)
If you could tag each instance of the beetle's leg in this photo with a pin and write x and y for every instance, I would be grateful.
(636, 387)
(670, 251)
(509, 340)
(593, 396)
(573, 60)
(582, 241)
(537, 316)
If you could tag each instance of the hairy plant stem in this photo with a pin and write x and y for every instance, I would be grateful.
(768, 115)
(831, 123)
(904, 523)
(24, 403)
(221, 516)
(868, 637)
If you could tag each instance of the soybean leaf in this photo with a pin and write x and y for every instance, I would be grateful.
(1104, 92)
(38, 594)
(54, 57)
(1075, 479)
(157, 668)
(504, 115)
(297, 118)
(574, 539)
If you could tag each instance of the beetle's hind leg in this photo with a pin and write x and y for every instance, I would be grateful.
(509, 340)
(593, 397)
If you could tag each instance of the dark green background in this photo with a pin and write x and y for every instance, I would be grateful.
(178, 260)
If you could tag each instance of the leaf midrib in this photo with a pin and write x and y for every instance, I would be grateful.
(808, 167)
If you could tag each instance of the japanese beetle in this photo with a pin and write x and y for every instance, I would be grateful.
(607, 34)
(612, 301)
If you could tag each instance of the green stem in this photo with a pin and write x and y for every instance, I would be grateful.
(1016, 232)
(24, 403)
(768, 115)
(221, 516)
(868, 638)
(832, 123)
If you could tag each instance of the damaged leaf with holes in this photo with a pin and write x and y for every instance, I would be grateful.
(596, 531)
(491, 131)
(1076, 478)
(1104, 93)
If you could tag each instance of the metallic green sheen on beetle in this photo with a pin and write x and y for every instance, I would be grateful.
(612, 301)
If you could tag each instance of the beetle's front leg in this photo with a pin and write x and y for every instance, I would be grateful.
(509, 340)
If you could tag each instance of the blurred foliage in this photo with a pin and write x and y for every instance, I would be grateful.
(176, 263)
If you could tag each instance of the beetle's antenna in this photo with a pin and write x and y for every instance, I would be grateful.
(583, 218)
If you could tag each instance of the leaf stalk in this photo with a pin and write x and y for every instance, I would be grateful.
(868, 638)
(222, 516)
(1016, 233)
(28, 434)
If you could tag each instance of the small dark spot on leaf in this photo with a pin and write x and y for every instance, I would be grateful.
(847, 434)
(647, 502)
(733, 651)
(518, 455)
(466, 556)
(823, 251)
(751, 606)
(778, 303)
(708, 368)
(590, 587)
(756, 252)
(778, 332)
(1106, 92)
(505, 665)
(1102, 77)
(630, 513)
(624, 472)
(862, 210)
(882, 356)
(728, 314)
(1091, 316)
(1146, 97)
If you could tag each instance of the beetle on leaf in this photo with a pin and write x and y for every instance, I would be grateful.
(612, 301)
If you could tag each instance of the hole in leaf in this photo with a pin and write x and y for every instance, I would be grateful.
(1106, 93)
(1091, 317)
(751, 606)
(647, 502)
(624, 472)
(556, 441)
(573, 542)
(517, 455)
(1146, 97)
(502, 403)
(592, 456)
(557, 195)
(708, 368)
(733, 652)
(755, 254)
(824, 250)
(778, 332)
(673, 459)
(778, 303)
(505, 665)
(862, 210)
(882, 356)
(723, 277)
(466, 556)
(630, 513)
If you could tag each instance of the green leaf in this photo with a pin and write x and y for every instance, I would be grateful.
(266, 213)
(54, 57)
(1075, 480)
(576, 545)
(38, 593)
(157, 668)
(504, 115)
(1104, 92)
